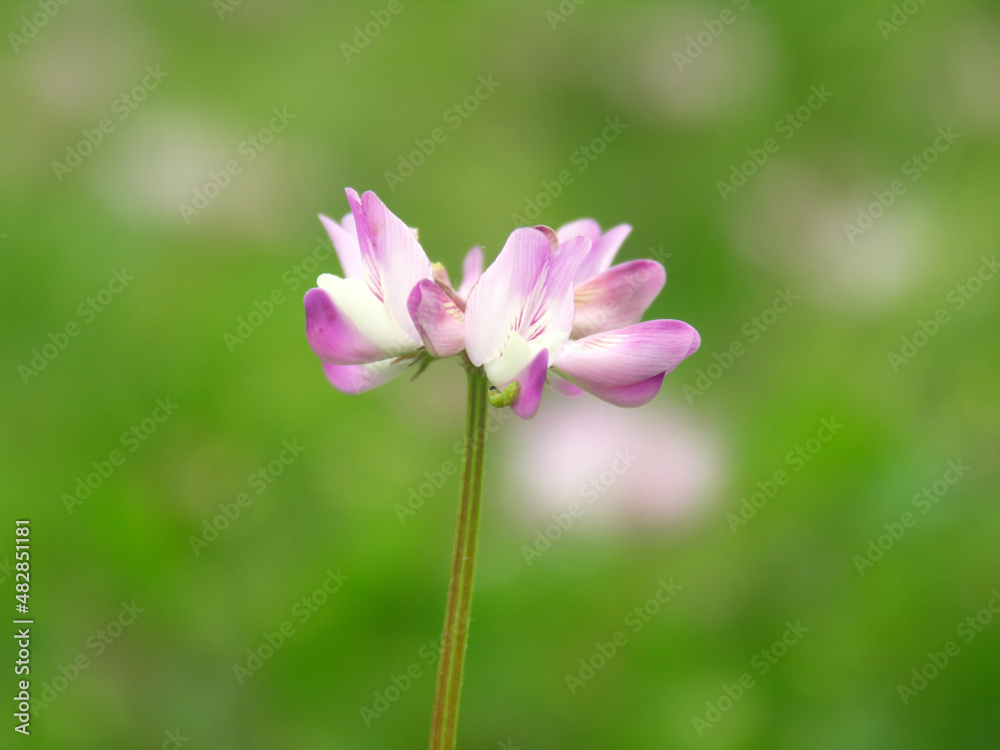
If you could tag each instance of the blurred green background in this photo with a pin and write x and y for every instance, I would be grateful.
(697, 85)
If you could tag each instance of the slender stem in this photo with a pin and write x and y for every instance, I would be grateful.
(444, 720)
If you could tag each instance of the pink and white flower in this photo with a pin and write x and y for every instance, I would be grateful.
(551, 308)
(520, 313)
(520, 317)
(359, 325)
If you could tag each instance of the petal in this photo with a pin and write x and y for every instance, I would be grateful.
(629, 396)
(580, 228)
(629, 355)
(392, 258)
(531, 383)
(440, 323)
(602, 253)
(517, 355)
(345, 241)
(617, 297)
(370, 316)
(495, 303)
(332, 335)
(472, 269)
(352, 379)
(555, 306)
(527, 290)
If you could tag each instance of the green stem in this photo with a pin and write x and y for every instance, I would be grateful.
(444, 720)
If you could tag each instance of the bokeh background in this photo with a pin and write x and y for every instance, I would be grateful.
(695, 85)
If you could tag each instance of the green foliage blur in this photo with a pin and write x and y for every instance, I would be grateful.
(729, 166)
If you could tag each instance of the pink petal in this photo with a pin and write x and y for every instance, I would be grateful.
(392, 259)
(617, 297)
(345, 241)
(629, 396)
(556, 310)
(353, 379)
(472, 269)
(628, 355)
(602, 252)
(531, 383)
(496, 302)
(331, 334)
(580, 228)
(440, 323)
(527, 290)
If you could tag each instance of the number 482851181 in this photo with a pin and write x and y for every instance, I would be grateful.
(21, 554)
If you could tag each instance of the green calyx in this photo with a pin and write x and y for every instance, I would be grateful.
(505, 397)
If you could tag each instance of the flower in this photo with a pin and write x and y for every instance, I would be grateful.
(550, 309)
(359, 325)
(520, 313)
(520, 317)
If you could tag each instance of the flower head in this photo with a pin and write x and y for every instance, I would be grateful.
(550, 309)
(359, 325)
(520, 313)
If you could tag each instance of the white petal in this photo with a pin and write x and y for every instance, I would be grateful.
(516, 356)
(368, 314)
